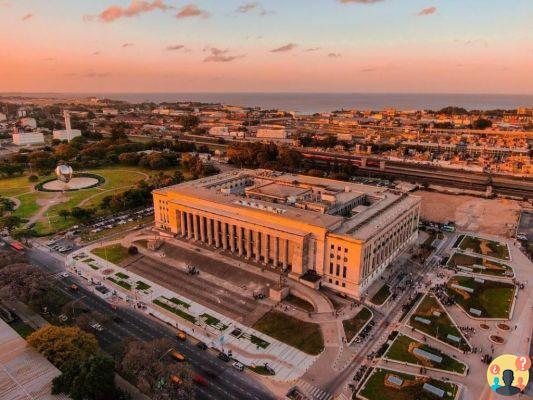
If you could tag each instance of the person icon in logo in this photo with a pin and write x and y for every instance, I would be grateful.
(508, 389)
(496, 384)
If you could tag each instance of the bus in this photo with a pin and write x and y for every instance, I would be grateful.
(448, 228)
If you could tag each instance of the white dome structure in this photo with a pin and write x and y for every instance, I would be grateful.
(64, 173)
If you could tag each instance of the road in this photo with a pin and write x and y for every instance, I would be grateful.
(225, 382)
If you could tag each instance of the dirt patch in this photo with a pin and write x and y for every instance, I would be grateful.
(490, 216)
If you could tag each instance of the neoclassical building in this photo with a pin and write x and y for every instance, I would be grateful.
(345, 233)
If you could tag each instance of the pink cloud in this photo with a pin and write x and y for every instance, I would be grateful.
(136, 8)
(27, 17)
(282, 49)
(219, 55)
(427, 11)
(334, 55)
(191, 11)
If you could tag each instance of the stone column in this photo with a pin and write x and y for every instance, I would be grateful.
(202, 228)
(265, 248)
(284, 252)
(217, 233)
(224, 235)
(240, 246)
(276, 250)
(182, 220)
(196, 227)
(190, 225)
(210, 231)
(232, 237)
(257, 246)
(248, 235)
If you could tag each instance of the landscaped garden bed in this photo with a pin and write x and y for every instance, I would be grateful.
(142, 286)
(485, 247)
(164, 303)
(353, 325)
(381, 295)
(431, 319)
(496, 339)
(305, 336)
(126, 285)
(479, 265)
(482, 298)
(380, 386)
(214, 322)
(299, 303)
(403, 350)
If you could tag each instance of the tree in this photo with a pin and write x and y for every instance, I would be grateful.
(22, 282)
(6, 205)
(129, 158)
(91, 379)
(481, 123)
(82, 214)
(63, 213)
(144, 364)
(10, 222)
(62, 345)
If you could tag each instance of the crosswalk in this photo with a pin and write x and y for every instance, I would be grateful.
(313, 392)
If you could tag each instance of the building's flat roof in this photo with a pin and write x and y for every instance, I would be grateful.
(24, 373)
(385, 204)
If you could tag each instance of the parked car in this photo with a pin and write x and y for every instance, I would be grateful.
(201, 346)
(223, 356)
(177, 356)
(238, 366)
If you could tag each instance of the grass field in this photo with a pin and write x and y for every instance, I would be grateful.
(305, 336)
(353, 325)
(440, 325)
(381, 295)
(485, 247)
(376, 387)
(401, 350)
(494, 299)
(115, 253)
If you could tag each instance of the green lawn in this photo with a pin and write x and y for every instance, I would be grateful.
(120, 282)
(400, 351)
(305, 336)
(299, 303)
(353, 325)
(115, 253)
(485, 247)
(440, 326)
(492, 298)
(381, 295)
(492, 268)
(375, 388)
(142, 286)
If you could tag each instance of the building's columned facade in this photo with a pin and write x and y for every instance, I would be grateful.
(346, 233)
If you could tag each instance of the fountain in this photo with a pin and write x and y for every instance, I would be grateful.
(68, 181)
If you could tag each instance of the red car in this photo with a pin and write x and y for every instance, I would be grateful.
(200, 380)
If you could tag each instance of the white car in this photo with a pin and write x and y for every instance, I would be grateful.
(238, 366)
(97, 327)
(65, 275)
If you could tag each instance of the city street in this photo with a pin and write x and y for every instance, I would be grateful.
(225, 382)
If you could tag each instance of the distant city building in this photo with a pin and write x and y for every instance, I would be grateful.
(22, 112)
(110, 111)
(68, 133)
(21, 138)
(272, 132)
(28, 123)
(343, 234)
(3, 117)
(219, 131)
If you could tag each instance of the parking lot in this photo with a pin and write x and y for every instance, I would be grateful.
(66, 242)
(525, 227)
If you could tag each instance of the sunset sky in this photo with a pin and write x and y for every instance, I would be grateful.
(454, 46)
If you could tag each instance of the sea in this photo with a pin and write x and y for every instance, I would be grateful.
(308, 103)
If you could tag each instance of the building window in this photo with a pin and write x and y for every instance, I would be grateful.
(331, 268)
(331, 255)
(339, 248)
(332, 247)
(337, 283)
(343, 284)
(344, 272)
(338, 270)
(330, 280)
(346, 250)
(345, 259)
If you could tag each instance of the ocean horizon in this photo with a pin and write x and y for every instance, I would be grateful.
(317, 102)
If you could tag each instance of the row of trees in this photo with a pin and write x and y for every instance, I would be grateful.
(262, 155)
